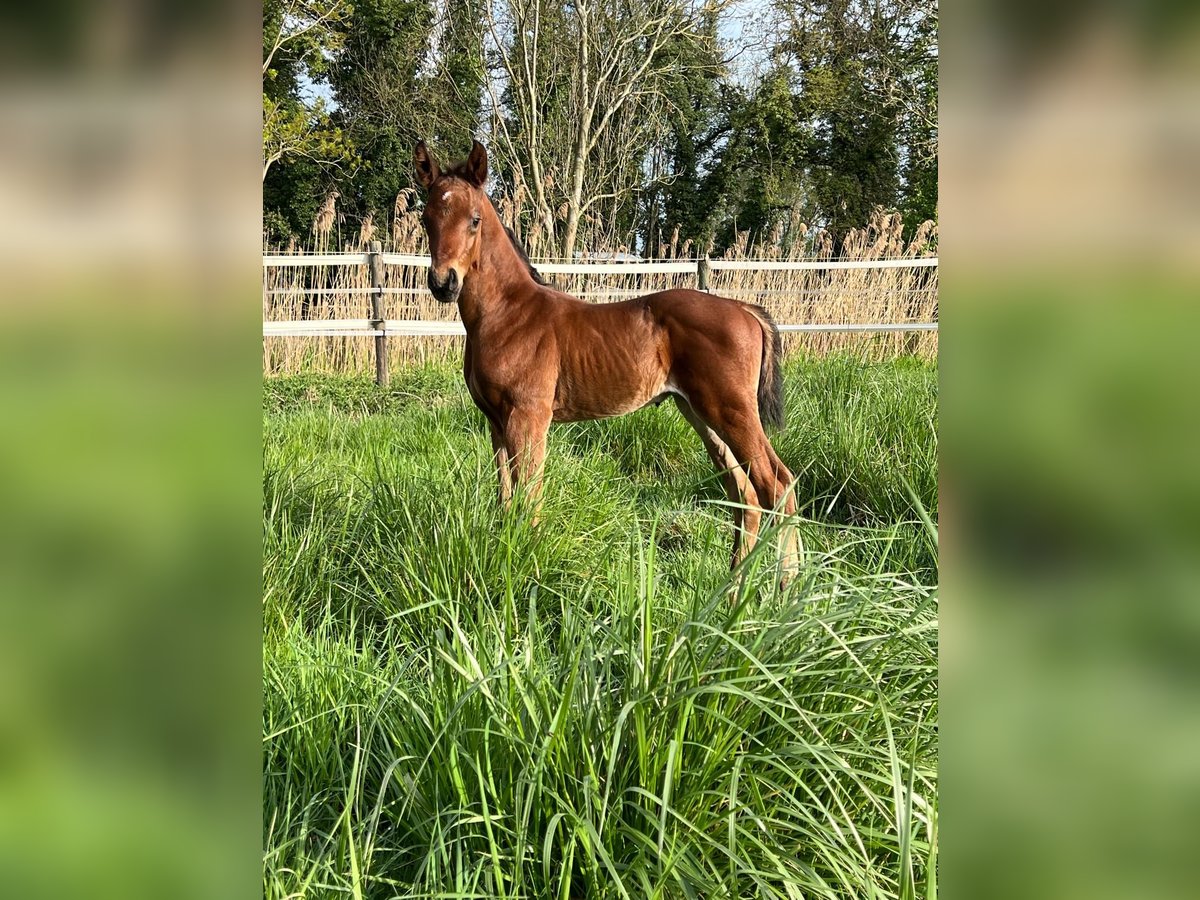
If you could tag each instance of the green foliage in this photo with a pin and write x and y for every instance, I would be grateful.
(867, 73)
(299, 37)
(394, 89)
(460, 704)
(919, 201)
(456, 87)
(919, 125)
(293, 129)
(841, 119)
(375, 81)
(373, 59)
(761, 172)
(302, 146)
(698, 122)
(292, 192)
(736, 155)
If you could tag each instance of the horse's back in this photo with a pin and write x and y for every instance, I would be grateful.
(716, 344)
(700, 323)
(611, 358)
(673, 325)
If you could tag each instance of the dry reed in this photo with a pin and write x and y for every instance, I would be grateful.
(855, 296)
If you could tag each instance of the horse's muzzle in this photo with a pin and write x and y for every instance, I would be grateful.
(447, 289)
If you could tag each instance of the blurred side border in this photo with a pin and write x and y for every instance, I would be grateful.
(130, 575)
(1070, 230)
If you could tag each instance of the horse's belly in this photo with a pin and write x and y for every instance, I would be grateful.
(604, 401)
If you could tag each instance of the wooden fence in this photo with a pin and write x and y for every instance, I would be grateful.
(373, 285)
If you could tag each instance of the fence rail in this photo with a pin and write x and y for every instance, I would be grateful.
(380, 328)
(816, 265)
(682, 267)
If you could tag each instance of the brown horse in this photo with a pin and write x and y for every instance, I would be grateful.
(535, 355)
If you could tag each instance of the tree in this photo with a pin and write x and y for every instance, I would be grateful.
(916, 86)
(302, 147)
(405, 73)
(843, 119)
(298, 38)
(609, 122)
(293, 129)
(586, 87)
(762, 172)
(374, 78)
(452, 89)
(677, 195)
(866, 73)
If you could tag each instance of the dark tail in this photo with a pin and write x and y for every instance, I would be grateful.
(770, 375)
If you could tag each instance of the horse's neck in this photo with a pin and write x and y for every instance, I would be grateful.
(498, 283)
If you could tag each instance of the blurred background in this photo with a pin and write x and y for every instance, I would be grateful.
(130, 621)
(130, 372)
(1070, 493)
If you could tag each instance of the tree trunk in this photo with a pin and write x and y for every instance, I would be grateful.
(579, 170)
(568, 244)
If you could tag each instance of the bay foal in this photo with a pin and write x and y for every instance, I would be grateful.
(535, 355)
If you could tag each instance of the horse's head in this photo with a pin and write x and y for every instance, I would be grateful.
(453, 209)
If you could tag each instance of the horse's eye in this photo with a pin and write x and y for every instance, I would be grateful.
(475, 220)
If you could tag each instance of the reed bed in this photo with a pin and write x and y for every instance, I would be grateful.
(853, 296)
(842, 296)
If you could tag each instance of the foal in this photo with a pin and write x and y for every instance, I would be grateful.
(535, 355)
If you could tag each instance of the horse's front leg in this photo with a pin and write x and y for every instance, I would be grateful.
(525, 440)
(503, 464)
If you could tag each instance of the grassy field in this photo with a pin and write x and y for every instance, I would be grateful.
(460, 705)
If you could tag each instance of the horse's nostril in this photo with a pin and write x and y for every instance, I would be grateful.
(446, 287)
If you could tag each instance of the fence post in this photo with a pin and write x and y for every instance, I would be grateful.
(377, 320)
(702, 273)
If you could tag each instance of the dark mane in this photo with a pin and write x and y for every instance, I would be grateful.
(460, 171)
(516, 245)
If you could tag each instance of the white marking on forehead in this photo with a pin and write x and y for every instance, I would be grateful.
(446, 196)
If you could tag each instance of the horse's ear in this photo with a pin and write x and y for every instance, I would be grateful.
(427, 167)
(477, 165)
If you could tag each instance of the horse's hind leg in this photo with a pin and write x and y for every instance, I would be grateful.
(789, 538)
(738, 488)
(738, 425)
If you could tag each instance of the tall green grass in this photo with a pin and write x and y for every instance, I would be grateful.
(458, 704)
